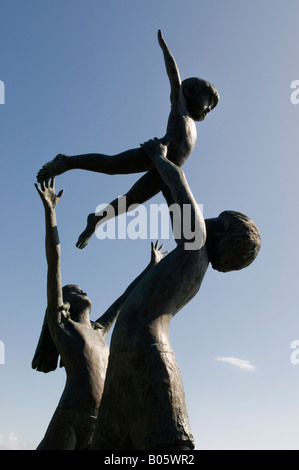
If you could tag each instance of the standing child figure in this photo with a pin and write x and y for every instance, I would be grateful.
(68, 331)
(191, 100)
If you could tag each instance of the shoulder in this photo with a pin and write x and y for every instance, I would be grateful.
(177, 99)
(60, 325)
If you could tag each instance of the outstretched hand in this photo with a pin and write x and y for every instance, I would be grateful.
(157, 254)
(47, 194)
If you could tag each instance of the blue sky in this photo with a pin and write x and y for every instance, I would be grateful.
(89, 77)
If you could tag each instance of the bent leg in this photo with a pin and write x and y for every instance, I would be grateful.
(131, 161)
(146, 187)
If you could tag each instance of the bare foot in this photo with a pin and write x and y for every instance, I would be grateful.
(55, 167)
(83, 240)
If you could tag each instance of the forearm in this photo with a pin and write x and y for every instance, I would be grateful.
(170, 173)
(171, 67)
(54, 286)
(191, 224)
(52, 237)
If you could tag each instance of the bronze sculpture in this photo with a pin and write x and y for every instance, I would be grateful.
(135, 398)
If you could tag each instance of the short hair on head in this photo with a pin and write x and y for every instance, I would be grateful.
(238, 245)
(195, 84)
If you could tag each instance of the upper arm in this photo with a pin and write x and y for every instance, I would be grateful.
(54, 286)
(58, 322)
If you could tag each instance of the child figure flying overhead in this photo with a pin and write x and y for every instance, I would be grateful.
(191, 100)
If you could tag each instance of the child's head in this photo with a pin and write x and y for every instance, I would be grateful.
(201, 97)
(77, 299)
(233, 241)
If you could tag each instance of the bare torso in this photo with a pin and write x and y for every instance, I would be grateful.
(85, 357)
(181, 136)
(145, 316)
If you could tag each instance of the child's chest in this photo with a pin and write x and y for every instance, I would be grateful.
(182, 140)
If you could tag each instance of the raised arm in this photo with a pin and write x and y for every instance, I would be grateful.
(171, 69)
(192, 230)
(54, 286)
(108, 318)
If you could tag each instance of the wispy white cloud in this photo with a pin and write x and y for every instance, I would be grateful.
(10, 443)
(238, 363)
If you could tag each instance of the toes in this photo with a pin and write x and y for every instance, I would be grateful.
(41, 176)
(81, 245)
